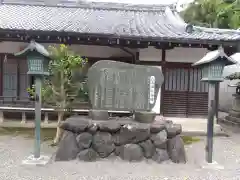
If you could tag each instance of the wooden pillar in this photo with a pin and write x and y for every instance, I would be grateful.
(136, 60)
(18, 79)
(1, 74)
(217, 88)
(188, 89)
(163, 65)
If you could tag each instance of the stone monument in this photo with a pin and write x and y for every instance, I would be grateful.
(122, 87)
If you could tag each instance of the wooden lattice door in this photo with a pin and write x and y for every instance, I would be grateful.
(184, 95)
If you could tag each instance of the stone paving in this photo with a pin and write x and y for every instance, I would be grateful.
(14, 149)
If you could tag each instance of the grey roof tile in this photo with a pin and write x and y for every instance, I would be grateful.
(158, 22)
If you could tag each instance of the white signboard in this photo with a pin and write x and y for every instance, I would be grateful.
(152, 90)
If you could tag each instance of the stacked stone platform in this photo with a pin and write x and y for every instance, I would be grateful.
(233, 118)
(91, 140)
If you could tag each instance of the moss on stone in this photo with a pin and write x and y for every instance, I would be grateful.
(190, 139)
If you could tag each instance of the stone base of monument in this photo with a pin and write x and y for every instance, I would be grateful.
(144, 117)
(98, 114)
(88, 140)
(233, 118)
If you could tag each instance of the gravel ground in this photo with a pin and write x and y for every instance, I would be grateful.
(14, 149)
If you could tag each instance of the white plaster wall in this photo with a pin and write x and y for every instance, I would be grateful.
(83, 50)
(187, 55)
(226, 92)
(225, 95)
(150, 54)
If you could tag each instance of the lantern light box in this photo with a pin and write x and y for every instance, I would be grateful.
(212, 65)
(37, 59)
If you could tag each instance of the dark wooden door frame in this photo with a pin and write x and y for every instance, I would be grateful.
(163, 65)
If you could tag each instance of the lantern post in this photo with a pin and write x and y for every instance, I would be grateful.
(38, 65)
(212, 65)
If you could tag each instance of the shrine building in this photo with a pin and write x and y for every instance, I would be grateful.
(138, 34)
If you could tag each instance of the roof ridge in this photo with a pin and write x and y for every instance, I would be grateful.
(96, 5)
(216, 30)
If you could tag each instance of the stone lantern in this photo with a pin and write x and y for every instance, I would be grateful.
(38, 61)
(233, 73)
(212, 65)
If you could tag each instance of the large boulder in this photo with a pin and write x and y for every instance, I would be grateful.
(159, 139)
(157, 126)
(148, 148)
(103, 144)
(109, 126)
(68, 147)
(118, 150)
(84, 140)
(160, 155)
(173, 130)
(176, 150)
(131, 152)
(132, 133)
(75, 124)
(93, 128)
(88, 155)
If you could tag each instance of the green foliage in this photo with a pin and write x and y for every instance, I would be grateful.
(45, 92)
(66, 83)
(214, 13)
(64, 67)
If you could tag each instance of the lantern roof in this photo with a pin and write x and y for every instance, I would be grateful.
(33, 46)
(213, 56)
(236, 57)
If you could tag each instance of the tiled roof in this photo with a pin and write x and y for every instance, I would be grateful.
(158, 22)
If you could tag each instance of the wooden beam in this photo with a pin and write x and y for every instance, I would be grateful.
(92, 59)
(163, 65)
(108, 40)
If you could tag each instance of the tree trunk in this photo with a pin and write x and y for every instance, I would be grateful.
(61, 112)
(59, 130)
